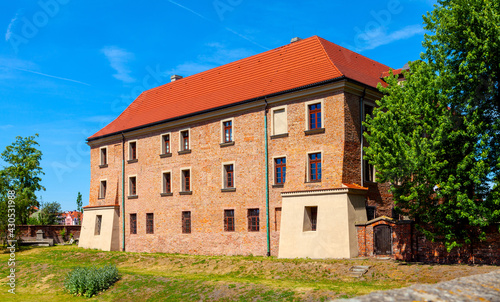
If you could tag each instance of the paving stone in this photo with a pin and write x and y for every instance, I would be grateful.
(485, 287)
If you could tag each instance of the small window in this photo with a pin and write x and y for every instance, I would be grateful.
(132, 181)
(150, 223)
(167, 183)
(132, 150)
(102, 189)
(370, 212)
(368, 171)
(279, 120)
(133, 223)
(277, 219)
(314, 116)
(279, 170)
(253, 220)
(315, 167)
(368, 111)
(229, 220)
(310, 218)
(104, 156)
(229, 176)
(186, 180)
(228, 131)
(165, 141)
(186, 222)
(184, 140)
(98, 222)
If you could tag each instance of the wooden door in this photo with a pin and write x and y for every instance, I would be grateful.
(382, 237)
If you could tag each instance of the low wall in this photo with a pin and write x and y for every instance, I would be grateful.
(50, 231)
(410, 245)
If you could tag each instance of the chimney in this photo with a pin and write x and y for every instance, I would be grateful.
(295, 39)
(175, 77)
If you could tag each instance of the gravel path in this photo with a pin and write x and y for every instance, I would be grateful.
(484, 287)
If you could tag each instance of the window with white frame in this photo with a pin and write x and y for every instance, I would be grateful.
(132, 150)
(279, 120)
(132, 185)
(228, 170)
(102, 189)
(186, 180)
(227, 131)
(165, 144)
(103, 156)
(184, 140)
(167, 182)
(315, 113)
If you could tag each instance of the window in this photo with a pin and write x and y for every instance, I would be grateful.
(150, 223)
(228, 131)
(368, 171)
(102, 189)
(133, 223)
(279, 170)
(186, 180)
(229, 220)
(279, 121)
(165, 144)
(132, 150)
(277, 219)
(186, 222)
(184, 140)
(166, 183)
(104, 156)
(253, 220)
(314, 116)
(98, 222)
(132, 182)
(315, 166)
(370, 212)
(310, 218)
(229, 176)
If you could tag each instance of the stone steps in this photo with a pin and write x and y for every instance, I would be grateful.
(358, 271)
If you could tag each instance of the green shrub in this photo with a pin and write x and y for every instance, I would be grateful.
(88, 281)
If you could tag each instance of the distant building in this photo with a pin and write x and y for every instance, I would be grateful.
(72, 218)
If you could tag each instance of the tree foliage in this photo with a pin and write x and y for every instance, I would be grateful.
(21, 174)
(79, 202)
(437, 136)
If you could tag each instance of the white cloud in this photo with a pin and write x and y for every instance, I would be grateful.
(5, 127)
(215, 54)
(12, 23)
(379, 36)
(118, 59)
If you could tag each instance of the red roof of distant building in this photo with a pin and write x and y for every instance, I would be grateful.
(305, 62)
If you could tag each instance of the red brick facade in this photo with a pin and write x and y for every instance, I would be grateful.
(409, 245)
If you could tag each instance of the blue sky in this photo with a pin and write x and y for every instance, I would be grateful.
(67, 68)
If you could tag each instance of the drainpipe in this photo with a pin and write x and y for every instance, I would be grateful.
(361, 116)
(267, 182)
(123, 192)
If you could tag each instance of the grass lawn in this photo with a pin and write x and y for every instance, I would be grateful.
(40, 274)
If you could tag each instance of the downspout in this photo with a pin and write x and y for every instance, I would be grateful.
(267, 182)
(361, 116)
(123, 192)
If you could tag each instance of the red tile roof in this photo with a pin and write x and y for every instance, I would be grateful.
(309, 61)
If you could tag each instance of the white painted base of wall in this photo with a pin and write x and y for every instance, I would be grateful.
(109, 237)
(335, 235)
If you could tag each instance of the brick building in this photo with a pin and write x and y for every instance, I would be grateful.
(258, 156)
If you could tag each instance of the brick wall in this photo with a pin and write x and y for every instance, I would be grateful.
(409, 245)
(28, 232)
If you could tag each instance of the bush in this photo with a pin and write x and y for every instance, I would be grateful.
(88, 281)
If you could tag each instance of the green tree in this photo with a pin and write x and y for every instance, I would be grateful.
(79, 203)
(436, 137)
(49, 213)
(22, 175)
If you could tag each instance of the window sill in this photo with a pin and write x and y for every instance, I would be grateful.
(186, 193)
(103, 166)
(101, 198)
(222, 145)
(228, 190)
(165, 155)
(254, 231)
(132, 160)
(314, 131)
(132, 196)
(279, 135)
(313, 181)
(184, 152)
(166, 194)
(278, 186)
